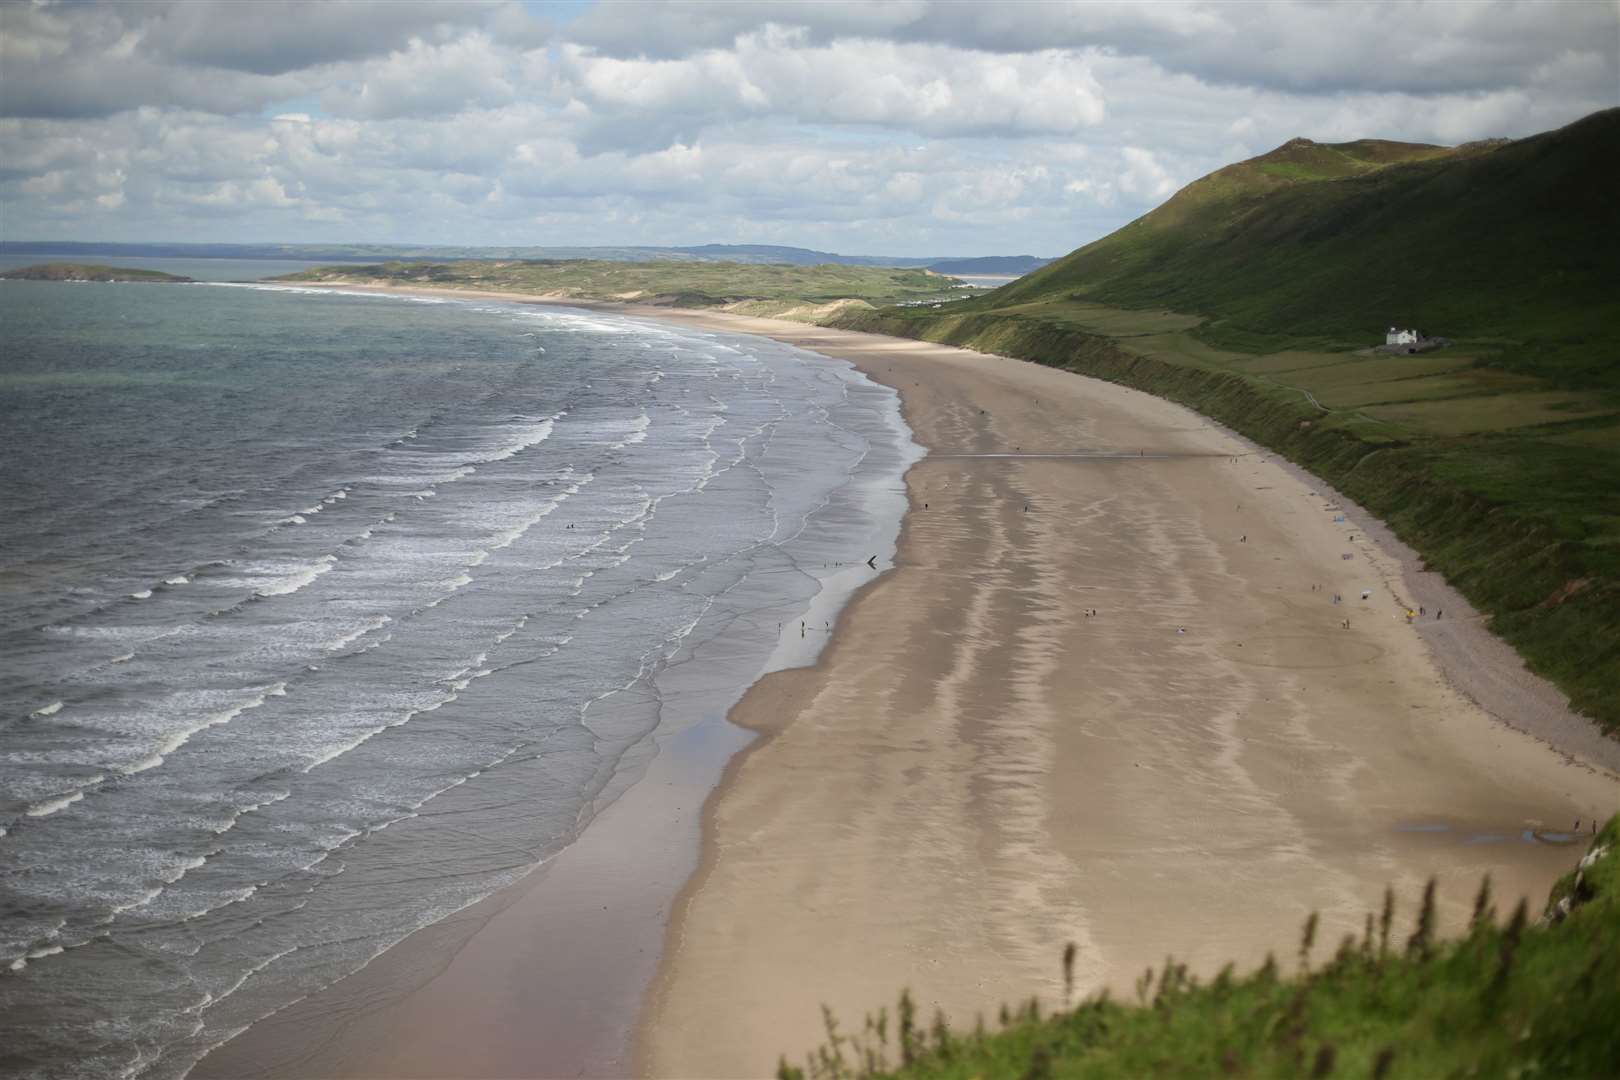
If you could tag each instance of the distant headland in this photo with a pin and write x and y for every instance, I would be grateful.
(89, 272)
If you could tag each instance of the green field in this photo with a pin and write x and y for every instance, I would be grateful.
(1512, 998)
(1254, 294)
(751, 288)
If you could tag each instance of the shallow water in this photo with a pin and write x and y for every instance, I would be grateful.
(325, 615)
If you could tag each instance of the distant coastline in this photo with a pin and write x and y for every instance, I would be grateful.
(91, 272)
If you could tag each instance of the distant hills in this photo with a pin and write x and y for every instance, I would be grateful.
(735, 253)
(89, 272)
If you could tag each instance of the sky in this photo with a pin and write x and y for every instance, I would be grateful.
(898, 127)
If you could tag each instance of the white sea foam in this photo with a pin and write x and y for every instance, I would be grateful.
(527, 435)
(293, 582)
(144, 594)
(124, 659)
(178, 579)
(146, 897)
(636, 434)
(50, 710)
(151, 761)
(521, 623)
(296, 519)
(355, 635)
(51, 806)
(506, 537)
(175, 739)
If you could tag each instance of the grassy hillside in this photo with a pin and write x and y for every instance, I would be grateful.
(767, 289)
(1251, 295)
(1511, 244)
(1518, 996)
(88, 272)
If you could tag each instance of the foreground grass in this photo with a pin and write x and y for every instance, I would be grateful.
(1512, 998)
(771, 289)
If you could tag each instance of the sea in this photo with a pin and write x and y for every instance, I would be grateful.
(325, 615)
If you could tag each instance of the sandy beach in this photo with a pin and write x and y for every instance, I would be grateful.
(1105, 696)
(979, 771)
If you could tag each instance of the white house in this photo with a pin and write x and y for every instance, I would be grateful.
(1402, 337)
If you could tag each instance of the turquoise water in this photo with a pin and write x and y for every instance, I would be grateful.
(325, 615)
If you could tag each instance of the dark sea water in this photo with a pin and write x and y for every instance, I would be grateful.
(323, 616)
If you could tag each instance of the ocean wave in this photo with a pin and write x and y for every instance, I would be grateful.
(174, 739)
(507, 537)
(50, 710)
(519, 625)
(531, 434)
(373, 624)
(178, 579)
(61, 802)
(637, 433)
(295, 581)
(143, 594)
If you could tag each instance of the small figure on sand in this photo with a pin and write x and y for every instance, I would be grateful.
(1181, 630)
(1439, 613)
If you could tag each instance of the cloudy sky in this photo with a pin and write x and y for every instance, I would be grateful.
(905, 127)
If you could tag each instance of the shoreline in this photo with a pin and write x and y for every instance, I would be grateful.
(1522, 700)
(693, 947)
(549, 971)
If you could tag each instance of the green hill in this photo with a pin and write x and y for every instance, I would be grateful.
(1511, 998)
(1254, 294)
(1332, 243)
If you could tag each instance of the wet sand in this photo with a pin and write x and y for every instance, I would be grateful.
(976, 771)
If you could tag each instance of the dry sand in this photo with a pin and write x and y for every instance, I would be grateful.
(977, 771)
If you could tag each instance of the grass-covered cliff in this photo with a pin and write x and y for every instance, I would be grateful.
(1254, 294)
(1522, 994)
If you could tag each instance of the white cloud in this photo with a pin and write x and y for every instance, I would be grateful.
(921, 88)
(902, 128)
